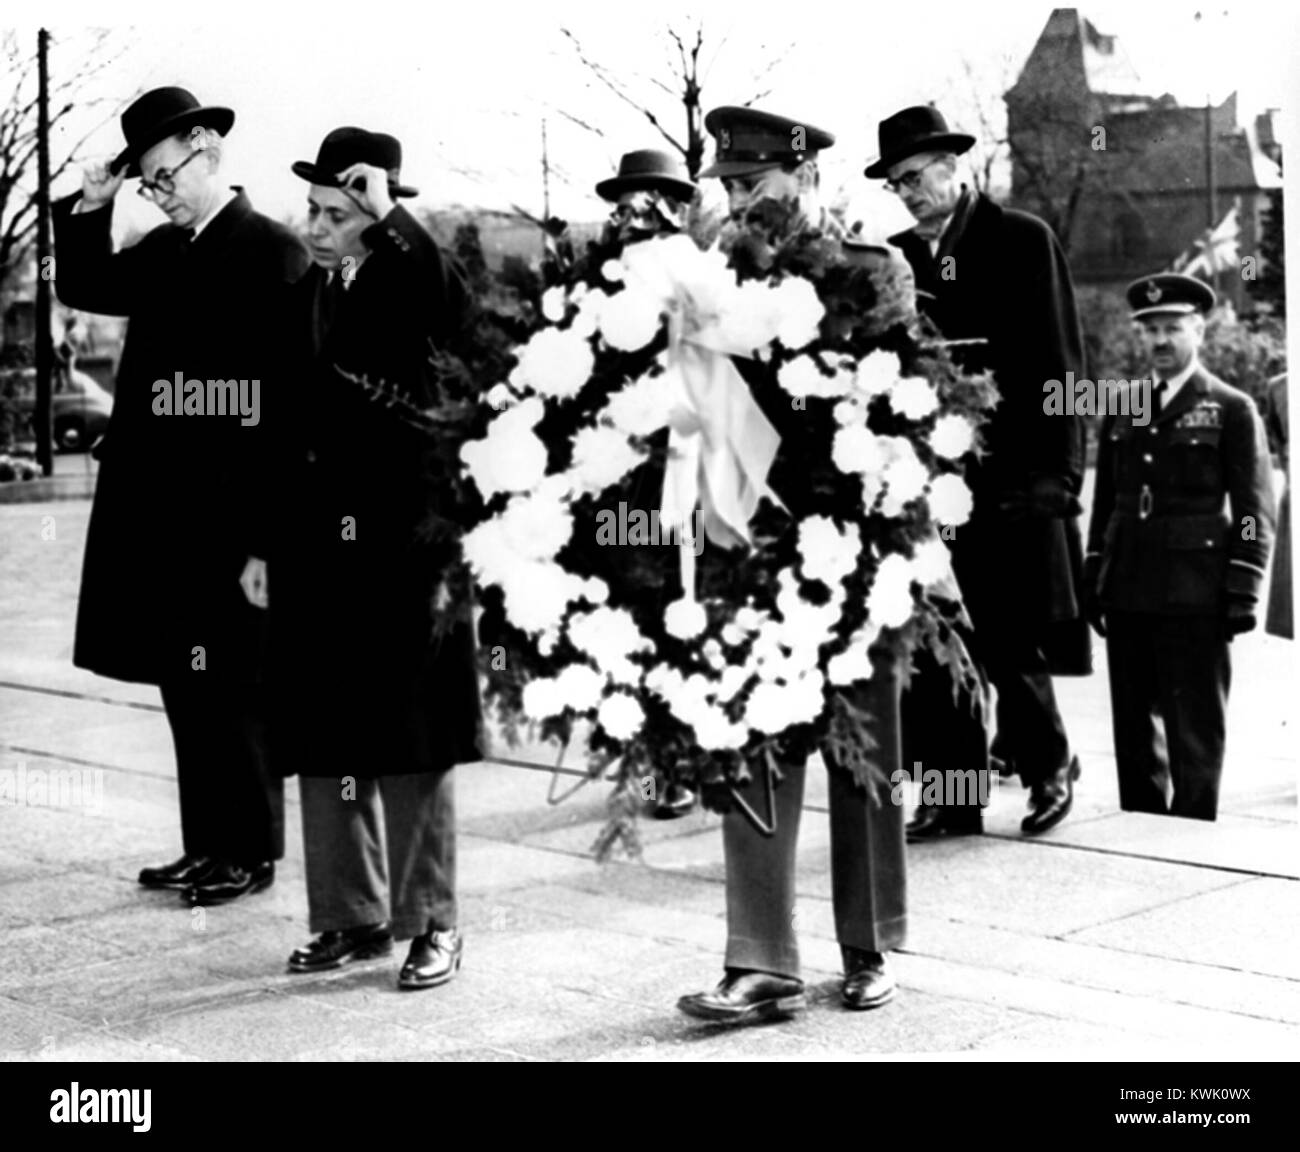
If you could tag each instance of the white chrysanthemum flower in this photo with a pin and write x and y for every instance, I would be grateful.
(621, 716)
(877, 373)
(501, 397)
(714, 731)
(931, 562)
(536, 527)
(856, 448)
(537, 594)
(953, 436)
(541, 699)
(554, 304)
(613, 271)
(768, 708)
(639, 408)
(751, 320)
(854, 663)
(631, 319)
(602, 456)
(889, 602)
(849, 411)
(950, 499)
(828, 553)
(799, 311)
(684, 618)
(913, 397)
(580, 687)
(732, 681)
(610, 636)
(802, 377)
(905, 476)
(511, 458)
(555, 362)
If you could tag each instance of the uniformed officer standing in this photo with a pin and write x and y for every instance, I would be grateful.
(759, 157)
(1172, 573)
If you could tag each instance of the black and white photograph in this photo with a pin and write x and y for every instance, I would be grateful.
(649, 533)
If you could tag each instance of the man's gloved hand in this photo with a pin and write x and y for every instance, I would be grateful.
(1046, 496)
(1092, 609)
(1241, 617)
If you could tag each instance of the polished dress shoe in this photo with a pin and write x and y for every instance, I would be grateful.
(868, 980)
(343, 946)
(934, 822)
(434, 959)
(676, 800)
(229, 882)
(1050, 800)
(179, 873)
(743, 996)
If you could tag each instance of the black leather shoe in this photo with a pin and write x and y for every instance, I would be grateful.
(434, 959)
(744, 996)
(868, 981)
(334, 949)
(934, 822)
(179, 873)
(676, 800)
(229, 882)
(1050, 800)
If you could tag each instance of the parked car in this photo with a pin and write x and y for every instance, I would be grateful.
(80, 408)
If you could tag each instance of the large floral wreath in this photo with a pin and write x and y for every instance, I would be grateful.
(717, 480)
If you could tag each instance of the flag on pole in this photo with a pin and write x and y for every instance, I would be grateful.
(1215, 252)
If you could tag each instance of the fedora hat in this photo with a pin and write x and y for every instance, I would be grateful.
(648, 171)
(161, 113)
(347, 146)
(913, 130)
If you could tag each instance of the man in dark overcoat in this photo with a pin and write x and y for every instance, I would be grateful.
(996, 283)
(172, 529)
(375, 691)
(763, 157)
(1178, 547)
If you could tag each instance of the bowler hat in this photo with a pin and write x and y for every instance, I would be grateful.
(913, 130)
(158, 114)
(1168, 292)
(648, 171)
(347, 146)
(751, 141)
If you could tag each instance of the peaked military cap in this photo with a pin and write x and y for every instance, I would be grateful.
(1168, 292)
(751, 141)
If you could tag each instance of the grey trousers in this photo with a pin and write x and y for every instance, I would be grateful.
(389, 853)
(868, 854)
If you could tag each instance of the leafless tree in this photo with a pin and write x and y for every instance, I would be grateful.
(74, 70)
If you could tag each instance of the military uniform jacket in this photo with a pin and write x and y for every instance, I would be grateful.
(1183, 515)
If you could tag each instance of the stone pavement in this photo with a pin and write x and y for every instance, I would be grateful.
(1114, 936)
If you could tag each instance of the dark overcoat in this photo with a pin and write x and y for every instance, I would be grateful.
(171, 524)
(362, 682)
(1000, 277)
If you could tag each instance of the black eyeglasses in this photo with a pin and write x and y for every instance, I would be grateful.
(910, 180)
(164, 180)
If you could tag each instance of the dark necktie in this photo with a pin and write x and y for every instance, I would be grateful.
(1158, 397)
(327, 308)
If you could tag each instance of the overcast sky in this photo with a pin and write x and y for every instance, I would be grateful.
(466, 86)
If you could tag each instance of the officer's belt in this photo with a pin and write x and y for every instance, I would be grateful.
(1209, 526)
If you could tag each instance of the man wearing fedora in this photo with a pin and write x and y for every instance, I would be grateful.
(996, 283)
(1182, 523)
(375, 701)
(757, 159)
(173, 527)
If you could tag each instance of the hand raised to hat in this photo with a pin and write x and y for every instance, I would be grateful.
(99, 185)
(374, 198)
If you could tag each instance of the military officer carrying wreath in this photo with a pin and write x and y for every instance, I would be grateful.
(758, 158)
(1181, 528)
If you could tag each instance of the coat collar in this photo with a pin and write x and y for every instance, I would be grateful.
(218, 229)
(973, 208)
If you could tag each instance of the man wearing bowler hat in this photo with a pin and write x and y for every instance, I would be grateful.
(173, 576)
(995, 282)
(765, 157)
(650, 196)
(375, 701)
(1178, 546)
